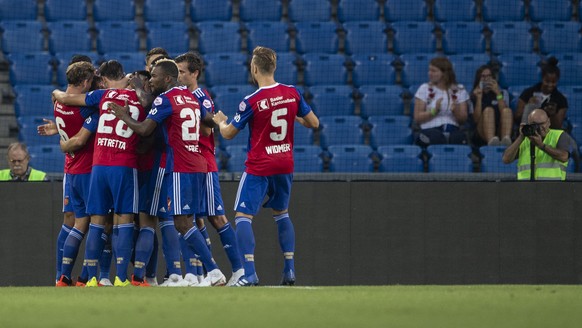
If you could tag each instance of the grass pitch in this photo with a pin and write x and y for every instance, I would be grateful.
(380, 306)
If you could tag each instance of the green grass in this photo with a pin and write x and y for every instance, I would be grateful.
(381, 306)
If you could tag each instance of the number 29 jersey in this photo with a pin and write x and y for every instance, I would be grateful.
(270, 113)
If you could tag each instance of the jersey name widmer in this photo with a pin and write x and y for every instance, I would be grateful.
(277, 149)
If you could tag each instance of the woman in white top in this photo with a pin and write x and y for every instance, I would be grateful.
(440, 106)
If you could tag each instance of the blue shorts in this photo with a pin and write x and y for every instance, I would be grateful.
(113, 187)
(213, 204)
(252, 189)
(151, 192)
(79, 193)
(185, 193)
(67, 205)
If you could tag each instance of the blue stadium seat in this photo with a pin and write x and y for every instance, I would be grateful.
(47, 158)
(286, 71)
(310, 11)
(18, 10)
(492, 161)
(570, 65)
(405, 10)
(69, 36)
(463, 37)
(518, 69)
(449, 158)
(204, 10)
(260, 10)
(117, 36)
(307, 158)
(172, 36)
(511, 37)
(273, 35)
(219, 37)
(321, 69)
(303, 136)
(59, 10)
(503, 10)
(550, 10)
(400, 158)
(415, 70)
(514, 93)
(390, 130)
(33, 100)
(465, 66)
(316, 37)
(228, 97)
(113, 10)
(237, 155)
(14, 32)
(63, 59)
(131, 61)
(358, 10)
(366, 37)
(332, 100)
(27, 131)
(30, 68)
(162, 10)
(557, 37)
(415, 37)
(576, 121)
(448, 10)
(340, 130)
(351, 158)
(381, 100)
(373, 69)
(225, 68)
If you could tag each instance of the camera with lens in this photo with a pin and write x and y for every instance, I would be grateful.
(529, 130)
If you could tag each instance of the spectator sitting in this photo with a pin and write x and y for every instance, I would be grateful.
(18, 159)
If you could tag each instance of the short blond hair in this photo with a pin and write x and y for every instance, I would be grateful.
(265, 59)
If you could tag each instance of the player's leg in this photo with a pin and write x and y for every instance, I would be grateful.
(106, 255)
(68, 223)
(192, 265)
(143, 248)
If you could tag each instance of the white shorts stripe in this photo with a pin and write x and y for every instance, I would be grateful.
(176, 188)
(157, 190)
(135, 193)
(210, 194)
(240, 185)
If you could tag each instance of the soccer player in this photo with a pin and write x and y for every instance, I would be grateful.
(270, 113)
(190, 67)
(179, 115)
(153, 55)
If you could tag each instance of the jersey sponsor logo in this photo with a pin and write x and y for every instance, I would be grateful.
(242, 106)
(277, 149)
(279, 100)
(263, 104)
(158, 101)
(237, 117)
(206, 103)
(179, 100)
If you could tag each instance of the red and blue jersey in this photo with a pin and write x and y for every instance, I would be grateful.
(178, 113)
(207, 142)
(270, 113)
(115, 142)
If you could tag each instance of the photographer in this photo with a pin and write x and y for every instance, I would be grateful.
(539, 147)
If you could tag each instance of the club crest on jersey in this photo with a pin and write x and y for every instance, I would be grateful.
(263, 105)
(179, 100)
(242, 106)
(112, 94)
(206, 103)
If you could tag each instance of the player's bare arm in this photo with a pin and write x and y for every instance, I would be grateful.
(76, 142)
(143, 129)
(309, 121)
(69, 99)
(207, 124)
(228, 131)
(49, 128)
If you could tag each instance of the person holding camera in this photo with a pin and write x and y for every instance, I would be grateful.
(542, 152)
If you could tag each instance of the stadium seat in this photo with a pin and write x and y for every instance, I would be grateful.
(131, 61)
(514, 93)
(465, 66)
(449, 158)
(358, 10)
(415, 69)
(390, 130)
(509, 37)
(576, 132)
(413, 37)
(503, 10)
(332, 100)
(117, 36)
(381, 100)
(33, 100)
(286, 71)
(316, 37)
(309, 11)
(113, 10)
(322, 69)
(60, 10)
(303, 136)
(47, 158)
(373, 69)
(218, 36)
(366, 37)
(69, 36)
(351, 158)
(449, 10)
(260, 10)
(340, 130)
(225, 68)
(307, 158)
(558, 37)
(518, 69)
(228, 97)
(172, 36)
(273, 35)
(570, 65)
(400, 158)
(63, 59)
(405, 10)
(14, 32)
(463, 37)
(156, 10)
(492, 160)
(18, 10)
(204, 10)
(27, 131)
(237, 155)
(30, 68)
(545, 10)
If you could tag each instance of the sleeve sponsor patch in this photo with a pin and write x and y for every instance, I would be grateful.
(206, 103)
(158, 101)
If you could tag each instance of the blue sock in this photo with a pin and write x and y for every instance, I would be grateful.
(105, 259)
(152, 267)
(198, 245)
(114, 238)
(286, 240)
(246, 243)
(228, 239)
(188, 257)
(143, 251)
(70, 251)
(65, 230)
(135, 237)
(171, 247)
(93, 249)
(204, 233)
(123, 250)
